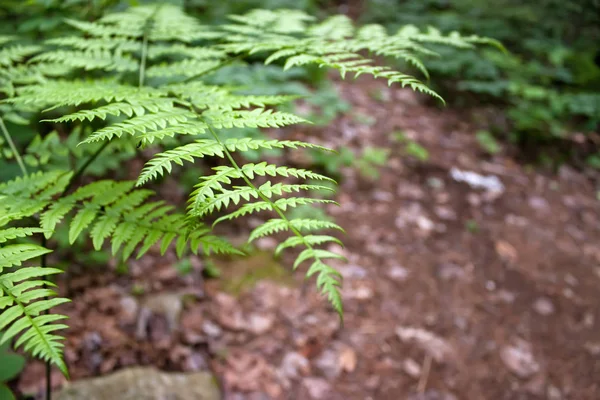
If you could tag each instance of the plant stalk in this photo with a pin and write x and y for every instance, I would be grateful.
(13, 148)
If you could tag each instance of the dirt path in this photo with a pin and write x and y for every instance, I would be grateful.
(451, 292)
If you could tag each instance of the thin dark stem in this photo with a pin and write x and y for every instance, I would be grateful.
(13, 147)
(87, 163)
(143, 61)
(216, 67)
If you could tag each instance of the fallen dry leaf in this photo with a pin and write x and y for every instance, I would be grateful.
(506, 251)
(347, 359)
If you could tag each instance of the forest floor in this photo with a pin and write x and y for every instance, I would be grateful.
(450, 292)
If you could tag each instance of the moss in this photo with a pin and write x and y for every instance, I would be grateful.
(239, 274)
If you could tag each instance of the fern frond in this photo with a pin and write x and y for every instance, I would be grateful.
(23, 297)
(257, 118)
(295, 241)
(185, 68)
(133, 106)
(17, 53)
(162, 161)
(282, 204)
(61, 93)
(142, 124)
(96, 44)
(90, 60)
(301, 224)
(13, 233)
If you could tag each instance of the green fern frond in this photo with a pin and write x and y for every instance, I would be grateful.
(60, 93)
(133, 106)
(282, 204)
(295, 241)
(17, 53)
(142, 124)
(257, 118)
(90, 60)
(162, 161)
(185, 68)
(13, 233)
(95, 44)
(23, 298)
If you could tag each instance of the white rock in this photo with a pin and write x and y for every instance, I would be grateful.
(260, 323)
(352, 271)
(294, 364)
(398, 273)
(475, 180)
(519, 359)
(211, 329)
(431, 343)
(411, 367)
(543, 306)
(328, 364)
(317, 388)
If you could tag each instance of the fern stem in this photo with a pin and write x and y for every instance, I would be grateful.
(260, 194)
(143, 61)
(82, 169)
(13, 148)
(216, 67)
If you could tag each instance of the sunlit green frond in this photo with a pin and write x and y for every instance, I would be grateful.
(142, 124)
(162, 161)
(90, 60)
(257, 118)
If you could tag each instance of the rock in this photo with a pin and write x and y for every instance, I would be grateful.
(538, 203)
(397, 273)
(352, 271)
(266, 243)
(211, 329)
(380, 195)
(432, 344)
(317, 388)
(432, 394)
(410, 191)
(361, 292)
(491, 183)
(327, 363)
(446, 213)
(543, 306)
(293, 365)
(411, 367)
(260, 323)
(553, 393)
(519, 359)
(129, 309)
(143, 383)
(435, 183)
(449, 271)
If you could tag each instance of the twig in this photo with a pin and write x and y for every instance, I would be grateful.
(425, 375)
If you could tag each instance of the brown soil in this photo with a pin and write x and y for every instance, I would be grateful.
(449, 293)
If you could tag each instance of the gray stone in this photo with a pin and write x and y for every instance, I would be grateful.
(543, 306)
(519, 359)
(317, 388)
(328, 364)
(142, 383)
(398, 273)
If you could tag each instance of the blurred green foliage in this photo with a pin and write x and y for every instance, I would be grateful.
(548, 84)
(11, 364)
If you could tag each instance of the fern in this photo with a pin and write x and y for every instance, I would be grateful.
(138, 77)
(24, 297)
